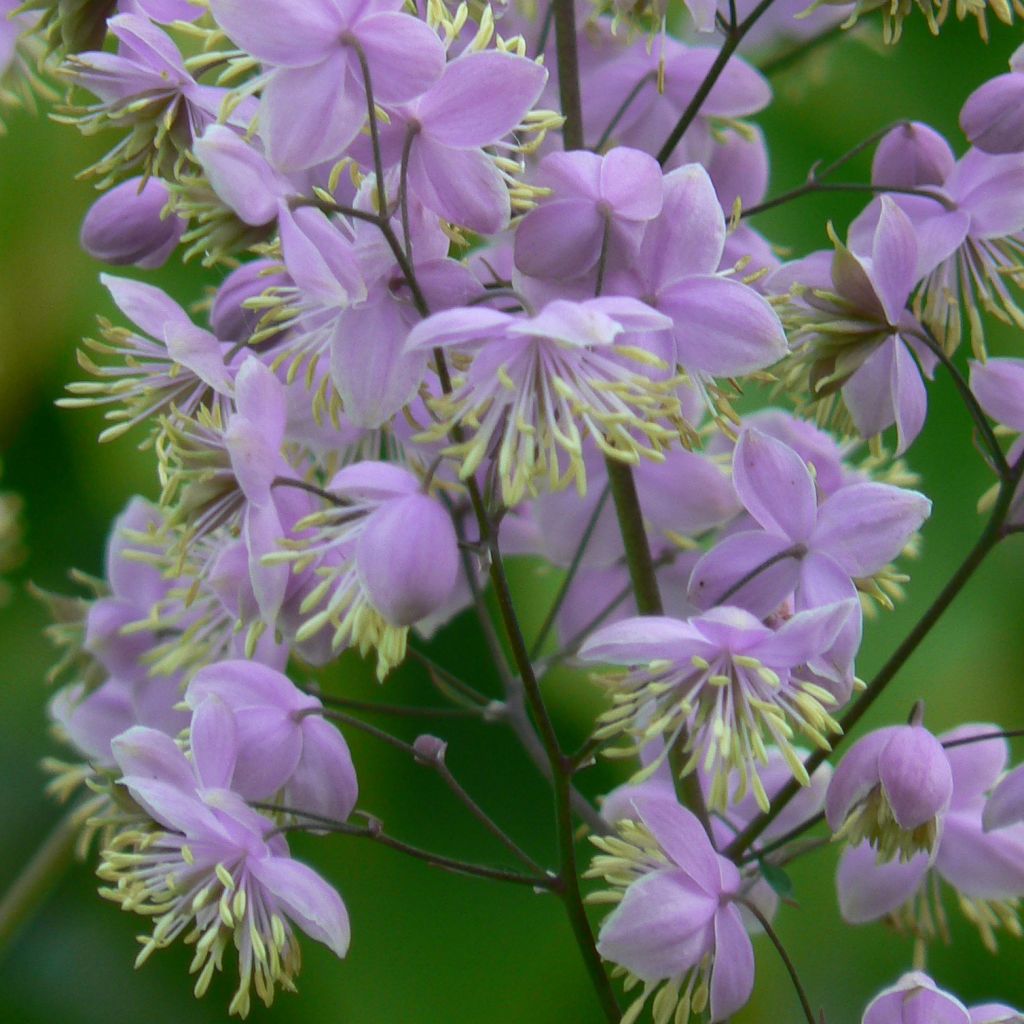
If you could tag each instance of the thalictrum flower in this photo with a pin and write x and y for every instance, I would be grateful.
(210, 868)
(127, 225)
(314, 100)
(892, 788)
(282, 741)
(993, 115)
(852, 333)
(676, 927)
(985, 869)
(728, 682)
(533, 383)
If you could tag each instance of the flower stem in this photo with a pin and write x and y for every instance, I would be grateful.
(801, 992)
(733, 39)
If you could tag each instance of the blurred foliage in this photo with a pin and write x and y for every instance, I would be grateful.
(429, 946)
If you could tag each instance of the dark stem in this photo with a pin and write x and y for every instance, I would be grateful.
(570, 575)
(623, 107)
(763, 921)
(374, 830)
(783, 840)
(981, 423)
(795, 551)
(397, 710)
(403, 191)
(303, 485)
(436, 762)
(814, 186)
(634, 538)
(782, 60)
(568, 73)
(561, 773)
(440, 673)
(378, 161)
(1002, 734)
(732, 40)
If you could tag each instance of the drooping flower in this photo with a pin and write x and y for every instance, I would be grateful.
(128, 225)
(210, 869)
(537, 386)
(676, 927)
(992, 118)
(728, 683)
(984, 869)
(915, 997)
(852, 334)
(970, 242)
(282, 742)
(381, 556)
(892, 789)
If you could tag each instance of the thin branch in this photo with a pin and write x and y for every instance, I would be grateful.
(439, 672)
(977, 414)
(795, 551)
(1002, 734)
(624, 106)
(397, 710)
(763, 921)
(434, 758)
(732, 41)
(814, 186)
(374, 830)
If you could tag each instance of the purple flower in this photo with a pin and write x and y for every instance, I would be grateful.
(129, 225)
(676, 921)
(172, 364)
(596, 201)
(813, 552)
(985, 869)
(282, 741)
(892, 789)
(212, 869)
(1005, 804)
(998, 384)
(970, 239)
(146, 88)
(915, 997)
(383, 556)
(314, 101)
(729, 681)
(852, 334)
(480, 98)
(720, 327)
(533, 382)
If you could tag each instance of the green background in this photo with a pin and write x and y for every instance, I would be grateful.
(428, 946)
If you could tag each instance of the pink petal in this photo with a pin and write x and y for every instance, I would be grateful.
(869, 890)
(774, 485)
(307, 899)
(465, 110)
(309, 115)
(732, 976)
(405, 55)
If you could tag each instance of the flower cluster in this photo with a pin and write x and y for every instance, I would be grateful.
(440, 339)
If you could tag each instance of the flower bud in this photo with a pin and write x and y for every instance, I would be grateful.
(408, 558)
(892, 790)
(126, 226)
(912, 155)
